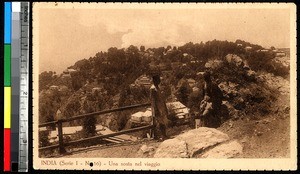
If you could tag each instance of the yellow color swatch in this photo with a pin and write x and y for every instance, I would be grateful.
(7, 107)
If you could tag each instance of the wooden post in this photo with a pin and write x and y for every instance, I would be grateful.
(153, 109)
(60, 138)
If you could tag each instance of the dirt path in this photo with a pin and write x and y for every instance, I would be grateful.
(267, 136)
(118, 151)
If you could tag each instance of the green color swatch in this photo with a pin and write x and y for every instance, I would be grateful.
(7, 65)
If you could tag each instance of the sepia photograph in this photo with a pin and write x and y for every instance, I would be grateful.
(159, 86)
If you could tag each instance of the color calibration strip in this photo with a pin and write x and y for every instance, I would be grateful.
(24, 87)
(15, 83)
(7, 85)
(16, 79)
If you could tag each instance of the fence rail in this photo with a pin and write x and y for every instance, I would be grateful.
(61, 144)
(98, 137)
(95, 113)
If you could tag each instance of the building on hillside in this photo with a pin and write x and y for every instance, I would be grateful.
(72, 71)
(248, 48)
(180, 110)
(53, 87)
(280, 54)
(145, 117)
(69, 71)
(143, 80)
(239, 45)
(263, 50)
(66, 76)
(142, 117)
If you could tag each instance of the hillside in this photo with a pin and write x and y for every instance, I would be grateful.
(255, 134)
(253, 81)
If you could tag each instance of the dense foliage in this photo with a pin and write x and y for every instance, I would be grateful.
(116, 69)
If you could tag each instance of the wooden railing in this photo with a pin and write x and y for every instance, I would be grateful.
(61, 144)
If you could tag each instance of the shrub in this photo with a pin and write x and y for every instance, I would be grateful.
(280, 70)
(265, 62)
(43, 138)
(89, 122)
(89, 127)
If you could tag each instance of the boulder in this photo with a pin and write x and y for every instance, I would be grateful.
(146, 149)
(226, 150)
(172, 148)
(229, 88)
(233, 113)
(200, 139)
(214, 64)
(198, 143)
(234, 59)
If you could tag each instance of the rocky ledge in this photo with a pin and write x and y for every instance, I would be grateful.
(199, 143)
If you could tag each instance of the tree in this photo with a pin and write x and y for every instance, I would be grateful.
(158, 52)
(183, 91)
(168, 48)
(45, 79)
(142, 48)
(133, 59)
(89, 122)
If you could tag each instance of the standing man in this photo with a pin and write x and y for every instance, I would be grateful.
(211, 103)
(159, 108)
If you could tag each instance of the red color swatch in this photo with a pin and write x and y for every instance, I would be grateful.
(6, 149)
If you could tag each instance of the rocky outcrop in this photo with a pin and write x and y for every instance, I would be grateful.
(225, 150)
(172, 148)
(199, 143)
(234, 59)
(276, 82)
(214, 64)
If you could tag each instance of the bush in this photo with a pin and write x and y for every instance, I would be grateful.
(280, 70)
(89, 127)
(89, 122)
(265, 62)
(43, 138)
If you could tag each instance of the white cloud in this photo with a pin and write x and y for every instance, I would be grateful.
(80, 33)
(148, 28)
(154, 28)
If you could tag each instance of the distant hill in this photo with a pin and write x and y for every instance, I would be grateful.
(106, 79)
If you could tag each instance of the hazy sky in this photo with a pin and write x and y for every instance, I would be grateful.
(73, 34)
